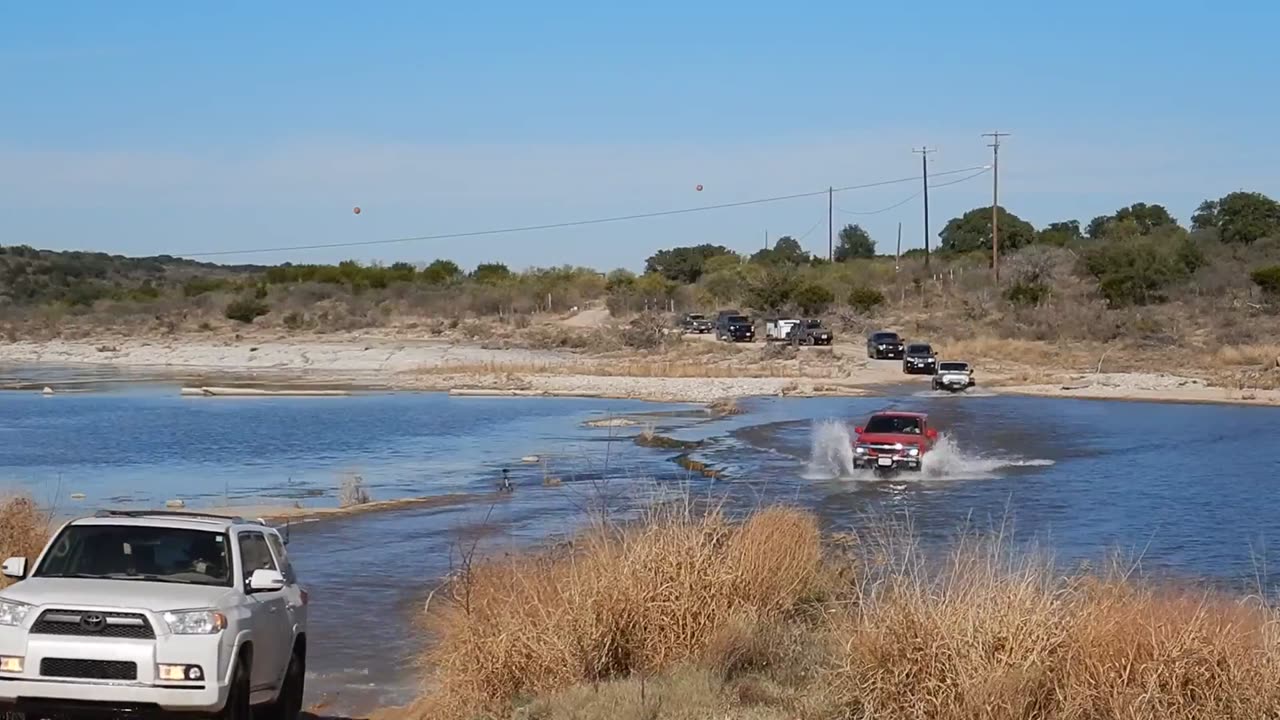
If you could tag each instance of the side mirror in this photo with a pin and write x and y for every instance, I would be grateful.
(931, 434)
(266, 581)
(858, 430)
(15, 567)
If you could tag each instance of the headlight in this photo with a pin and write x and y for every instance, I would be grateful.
(860, 450)
(196, 622)
(913, 452)
(13, 613)
(897, 446)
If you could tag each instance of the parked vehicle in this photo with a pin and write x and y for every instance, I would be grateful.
(696, 323)
(884, 345)
(813, 333)
(893, 441)
(735, 328)
(780, 330)
(172, 613)
(953, 376)
(919, 359)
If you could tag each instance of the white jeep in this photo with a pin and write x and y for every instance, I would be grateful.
(154, 614)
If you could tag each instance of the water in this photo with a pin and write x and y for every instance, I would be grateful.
(1188, 487)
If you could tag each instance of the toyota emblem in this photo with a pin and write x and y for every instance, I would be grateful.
(93, 622)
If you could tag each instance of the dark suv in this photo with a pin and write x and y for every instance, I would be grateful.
(695, 323)
(884, 345)
(736, 328)
(920, 359)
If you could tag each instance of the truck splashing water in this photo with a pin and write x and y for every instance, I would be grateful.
(831, 457)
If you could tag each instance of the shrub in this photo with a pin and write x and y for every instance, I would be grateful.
(812, 299)
(865, 299)
(1138, 271)
(1027, 294)
(246, 310)
(24, 529)
(1268, 280)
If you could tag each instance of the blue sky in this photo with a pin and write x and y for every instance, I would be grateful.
(181, 128)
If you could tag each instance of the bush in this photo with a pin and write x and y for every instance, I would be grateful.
(865, 299)
(1138, 271)
(1268, 280)
(246, 310)
(812, 299)
(24, 529)
(1027, 294)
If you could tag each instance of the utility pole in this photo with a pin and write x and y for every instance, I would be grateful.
(924, 178)
(831, 232)
(995, 199)
(897, 254)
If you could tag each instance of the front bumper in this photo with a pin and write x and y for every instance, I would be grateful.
(919, 368)
(32, 688)
(889, 353)
(953, 383)
(739, 336)
(885, 461)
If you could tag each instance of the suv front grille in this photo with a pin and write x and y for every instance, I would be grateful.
(128, 626)
(88, 669)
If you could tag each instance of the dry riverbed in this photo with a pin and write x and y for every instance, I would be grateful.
(697, 371)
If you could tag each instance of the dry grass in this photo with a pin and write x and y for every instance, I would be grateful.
(682, 618)
(24, 529)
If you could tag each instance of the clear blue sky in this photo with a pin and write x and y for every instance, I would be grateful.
(150, 127)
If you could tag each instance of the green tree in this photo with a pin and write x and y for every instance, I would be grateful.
(490, 273)
(972, 231)
(865, 299)
(1239, 217)
(1138, 270)
(786, 251)
(771, 291)
(684, 264)
(854, 242)
(1268, 280)
(1061, 234)
(1137, 219)
(812, 299)
(441, 272)
(619, 280)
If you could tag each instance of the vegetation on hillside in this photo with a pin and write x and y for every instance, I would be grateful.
(1135, 274)
(694, 616)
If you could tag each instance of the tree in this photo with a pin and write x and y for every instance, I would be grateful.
(440, 272)
(684, 264)
(1135, 220)
(972, 231)
(786, 251)
(490, 273)
(1268, 280)
(771, 291)
(1239, 217)
(854, 242)
(812, 299)
(1061, 234)
(619, 280)
(865, 299)
(1137, 270)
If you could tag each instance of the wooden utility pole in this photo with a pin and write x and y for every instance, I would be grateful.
(831, 232)
(995, 200)
(924, 178)
(897, 254)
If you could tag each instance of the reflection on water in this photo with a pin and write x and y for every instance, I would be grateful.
(1189, 485)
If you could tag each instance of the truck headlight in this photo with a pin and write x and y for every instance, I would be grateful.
(195, 622)
(13, 613)
(913, 452)
(860, 450)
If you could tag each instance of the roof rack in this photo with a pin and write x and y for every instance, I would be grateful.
(234, 519)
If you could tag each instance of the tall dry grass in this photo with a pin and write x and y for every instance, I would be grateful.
(24, 529)
(763, 619)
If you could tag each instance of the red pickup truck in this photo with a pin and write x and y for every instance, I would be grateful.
(892, 441)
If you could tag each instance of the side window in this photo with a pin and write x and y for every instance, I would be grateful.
(278, 548)
(254, 554)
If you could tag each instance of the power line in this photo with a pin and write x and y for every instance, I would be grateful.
(916, 194)
(574, 223)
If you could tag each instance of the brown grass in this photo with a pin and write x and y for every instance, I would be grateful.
(24, 529)
(684, 617)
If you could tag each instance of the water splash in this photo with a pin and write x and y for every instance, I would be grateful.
(831, 456)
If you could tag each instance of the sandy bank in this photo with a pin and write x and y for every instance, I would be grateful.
(282, 513)
(1145, 387)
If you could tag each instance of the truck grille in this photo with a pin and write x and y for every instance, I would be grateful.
(128, 626)
(88, 669)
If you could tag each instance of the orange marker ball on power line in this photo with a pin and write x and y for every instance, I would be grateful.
(356, 210)
(699, 188)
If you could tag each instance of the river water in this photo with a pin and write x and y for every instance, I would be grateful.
(1190, 489)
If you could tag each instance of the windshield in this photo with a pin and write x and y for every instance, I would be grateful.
(919, 349)
(697, 317)
(738, 319)
(893, 424)
(885, 337)
(814, 324)
(138, 552)
(953, 367)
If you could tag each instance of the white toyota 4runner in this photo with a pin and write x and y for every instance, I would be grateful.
(154, 614)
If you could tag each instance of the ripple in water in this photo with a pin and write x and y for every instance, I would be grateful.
(831, 457)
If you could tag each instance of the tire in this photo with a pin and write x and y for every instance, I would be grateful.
(238, 707)
(288, 706)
